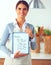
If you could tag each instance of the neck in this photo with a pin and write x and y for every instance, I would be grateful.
(20, 22)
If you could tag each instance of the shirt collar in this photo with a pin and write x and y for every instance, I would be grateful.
(15, 23)
(17, 27)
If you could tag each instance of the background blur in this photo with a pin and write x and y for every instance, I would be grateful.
(36, 16)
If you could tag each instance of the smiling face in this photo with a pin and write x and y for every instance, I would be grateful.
(21, 11)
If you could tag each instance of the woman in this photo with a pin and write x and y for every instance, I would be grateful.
(20, 25)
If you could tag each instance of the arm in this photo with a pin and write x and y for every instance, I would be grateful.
(33, 42)
(32, 37)
(4, 40)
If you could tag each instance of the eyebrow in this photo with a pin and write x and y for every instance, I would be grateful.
(23, 8)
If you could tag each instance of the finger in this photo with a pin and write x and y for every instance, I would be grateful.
(17, 53)
(23, 54)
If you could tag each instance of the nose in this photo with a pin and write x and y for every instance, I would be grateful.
(22, 10)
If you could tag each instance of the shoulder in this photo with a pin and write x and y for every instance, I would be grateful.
(30, 25)
(10, 26)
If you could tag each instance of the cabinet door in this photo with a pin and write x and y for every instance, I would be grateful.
(2, 61)
(41, 62)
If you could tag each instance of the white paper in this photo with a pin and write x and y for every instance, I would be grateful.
(20, 42)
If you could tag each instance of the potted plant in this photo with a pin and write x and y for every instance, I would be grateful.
(47, 41)
(47, 32)
(37, 50)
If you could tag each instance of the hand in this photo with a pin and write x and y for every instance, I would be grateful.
(18, 54)
(29, 31)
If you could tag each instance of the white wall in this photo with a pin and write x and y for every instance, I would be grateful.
(41, 17)
(7, 13)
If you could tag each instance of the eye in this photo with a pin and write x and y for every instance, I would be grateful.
(24, 8)
(19, 8)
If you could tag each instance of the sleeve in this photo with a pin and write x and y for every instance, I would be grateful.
(33, 41)
(4, 40)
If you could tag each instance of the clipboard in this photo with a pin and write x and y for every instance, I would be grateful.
(20, 42)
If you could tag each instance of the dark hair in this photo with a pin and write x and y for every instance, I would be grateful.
(23, 2)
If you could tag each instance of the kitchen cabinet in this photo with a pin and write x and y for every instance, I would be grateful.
(41, 62)
(2, 61)
(34, 61)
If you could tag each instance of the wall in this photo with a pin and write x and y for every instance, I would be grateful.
(36, 16)
(41, 17)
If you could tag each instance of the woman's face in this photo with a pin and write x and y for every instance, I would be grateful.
(21, 11)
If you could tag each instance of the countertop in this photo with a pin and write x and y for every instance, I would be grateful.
(33, 55)
(40, 55)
